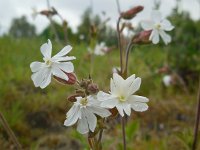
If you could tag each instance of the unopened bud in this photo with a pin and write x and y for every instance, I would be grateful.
(47, 13)
(142, 37)
(93, 30)
(131, 13)
(70, 81)
(114, 113)
(92, 88)
(85, 82)
(164, 69)
(72, 98)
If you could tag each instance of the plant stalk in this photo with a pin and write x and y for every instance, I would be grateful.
(10, 132)
(120, 45)
(123, 132)
(196, 128)
(127, 57)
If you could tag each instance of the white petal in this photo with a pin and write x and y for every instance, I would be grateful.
(113, 87)
(156, 16)
(128, 82)
(47, 80)
(39, 77)
(154, 37)
(46, 49)
(134, 86)
(110, 103)
(137, 106)
(119, 82)
(147, 25)
(91, 119)
(127, 109)
(64, 51)
(59, 73)
(83, 125)
(100, 111)
(136, 98)
(66, 58)
(120, 110)
(166, 25)
(72, 116)
(102, 96)
(66, 66)
(93, 101)
(36, 66)
(166, 38)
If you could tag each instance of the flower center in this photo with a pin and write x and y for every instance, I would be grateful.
(48, 62)
(84, 101)
(158, 26)
(122, 99)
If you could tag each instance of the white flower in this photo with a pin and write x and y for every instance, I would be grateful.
(83, 111)
(158, 27)
(56, 65)
(99, 49)
(121, 95)
(167, 80)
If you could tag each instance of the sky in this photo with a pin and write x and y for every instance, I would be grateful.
(72, 10)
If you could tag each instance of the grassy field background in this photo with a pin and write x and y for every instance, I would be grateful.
(36, 116)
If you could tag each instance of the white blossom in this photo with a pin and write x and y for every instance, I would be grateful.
(56, 65)
(167, 80)
(100, 49)
(121, 95)
(83, 111)
(158, 25)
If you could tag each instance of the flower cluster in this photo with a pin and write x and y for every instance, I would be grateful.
(91, 106)
(85, 109)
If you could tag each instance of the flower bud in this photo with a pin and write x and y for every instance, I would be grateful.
(48, 13)
(70, 81)
(131, 13)
(114, 112)
(72, 98)
(92, 88)
(142, 37)
(85, 82)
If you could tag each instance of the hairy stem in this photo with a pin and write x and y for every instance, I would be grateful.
(196, 128)
(120, 45)
(127, 56)
(123, 132)
(10, 132)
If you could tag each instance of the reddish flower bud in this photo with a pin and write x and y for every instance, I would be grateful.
(92, 88)
(71, 81)
(164, 69)
(114, 112)
(142, 37)
(72, 98)
(132, 12)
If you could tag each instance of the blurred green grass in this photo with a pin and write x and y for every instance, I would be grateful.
(169, 121)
